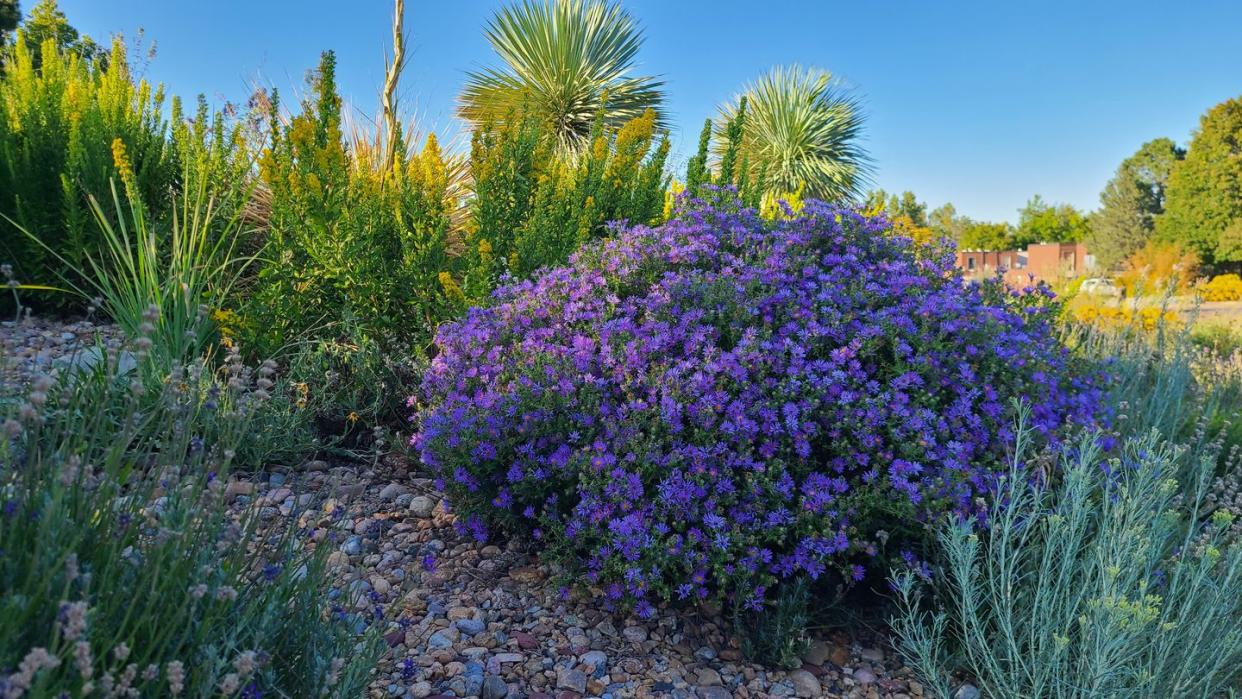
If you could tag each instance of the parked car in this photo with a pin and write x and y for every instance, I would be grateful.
(1099, 286)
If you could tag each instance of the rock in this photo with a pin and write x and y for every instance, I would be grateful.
(391, 491)
(708, 677)
(337, 559)
(86, 360)
(634, 634)
(235, 488)
(705, 654)
(864, 675)
(470, 627)
(440, 640)
(840, 656)
(805, 684)
(422, 506)
(871, 655)
(967, 691)
(597, 659)
(527, 575)
(420, 690)
(494, 688)
(573, 680)
(525, 641)
(713, 693)
(817, 653)
(380, 585)
(352, 546)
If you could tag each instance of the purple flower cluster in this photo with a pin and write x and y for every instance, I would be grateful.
(720, 403)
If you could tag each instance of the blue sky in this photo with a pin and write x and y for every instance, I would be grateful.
(979, 103)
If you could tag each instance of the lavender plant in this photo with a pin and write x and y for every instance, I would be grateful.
(125, 571)
(1119, 580)
(721, 405)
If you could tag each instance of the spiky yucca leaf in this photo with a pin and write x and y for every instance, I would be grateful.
(565, 60)
(802, 130)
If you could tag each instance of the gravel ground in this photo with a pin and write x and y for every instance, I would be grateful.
(466, 619)
(36, 345)
(469, 619)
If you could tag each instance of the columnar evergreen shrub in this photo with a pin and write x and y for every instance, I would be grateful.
(349, 239)
(69, 125)
(721, 404)
(533, 208)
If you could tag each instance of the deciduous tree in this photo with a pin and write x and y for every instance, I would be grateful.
(1204, 194)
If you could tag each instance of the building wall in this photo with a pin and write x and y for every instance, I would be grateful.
(1044, 261)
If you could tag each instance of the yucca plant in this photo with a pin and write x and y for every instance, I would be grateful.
(801, 128)
(565, 60)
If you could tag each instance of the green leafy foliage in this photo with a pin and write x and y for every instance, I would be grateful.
(111, 492)
(1103, 584)
(70, 126)
(1203, 198)
(1041, 222)
(982, 235)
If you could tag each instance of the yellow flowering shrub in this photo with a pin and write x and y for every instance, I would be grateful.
(1222, 287)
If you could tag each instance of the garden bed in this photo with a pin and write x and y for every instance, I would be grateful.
(466, 618)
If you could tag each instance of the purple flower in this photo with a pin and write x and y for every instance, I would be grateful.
(706, 407)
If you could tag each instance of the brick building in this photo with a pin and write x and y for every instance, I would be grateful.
(1045, 261)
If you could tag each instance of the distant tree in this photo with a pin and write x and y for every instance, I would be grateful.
(945, 222)
(10, 16)
(910, 207)
(1131, 202)
(1041, 222)
(982, 235)
(47, 22)
(1204, 194)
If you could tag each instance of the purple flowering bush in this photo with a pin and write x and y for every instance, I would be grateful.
(722, 403)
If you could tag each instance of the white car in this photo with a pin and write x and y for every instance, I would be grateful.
(1098, 286)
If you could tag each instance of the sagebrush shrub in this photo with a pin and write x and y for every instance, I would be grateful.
(720, 404)
(126, 571)
(1123, 578)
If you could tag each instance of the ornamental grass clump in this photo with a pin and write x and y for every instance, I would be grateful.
(720, 405)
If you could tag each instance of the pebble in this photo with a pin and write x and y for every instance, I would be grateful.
(494, 688)
(573, 680)
(967, 691)
(805, 684)
(634, 634)
(486, 620)
(440, 640)
(422, 506)
(871, 655)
